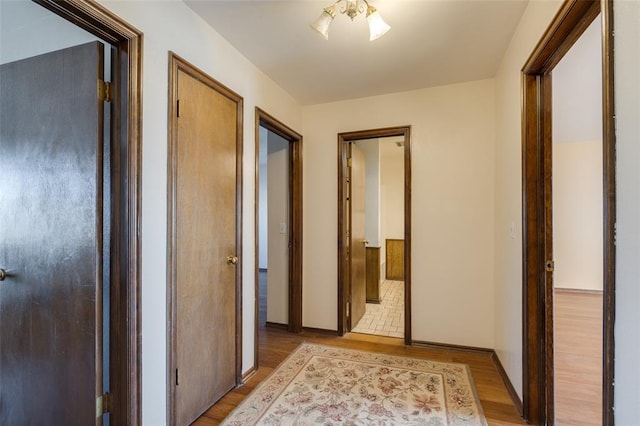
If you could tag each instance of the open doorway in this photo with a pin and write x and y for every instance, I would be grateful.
(374, 194)
(577, 230)
(278, 203)
(547, 230)
(273, 226)
(384, 234)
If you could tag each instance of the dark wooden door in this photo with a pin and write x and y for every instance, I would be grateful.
(357, 235)
(51, 238)
(206, 196)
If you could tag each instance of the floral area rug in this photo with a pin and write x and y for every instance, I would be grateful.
(328, 385)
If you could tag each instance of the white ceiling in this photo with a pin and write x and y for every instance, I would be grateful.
(431, 43)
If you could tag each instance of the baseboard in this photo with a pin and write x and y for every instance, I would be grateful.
(277, 325)
(450, 347)
(320, 331)
(576, 290)
(513, 394)
(285, 327)
(249, 374)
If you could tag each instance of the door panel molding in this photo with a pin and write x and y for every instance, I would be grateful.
(269, 122)
(568, 25)
(126, 342)
(178, 65)
(343, 217)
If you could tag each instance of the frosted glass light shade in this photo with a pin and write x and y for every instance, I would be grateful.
(321, 25)
(377, 26)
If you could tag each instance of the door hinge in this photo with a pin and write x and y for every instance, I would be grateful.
(178, 108)
(103, 404)
(550, 266)
(176, 377)
(104, 91)
(348, 308)
(349, 162)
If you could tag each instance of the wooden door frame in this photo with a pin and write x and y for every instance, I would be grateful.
(568, 25)
(125, 337)
(343, 141)
(264, 119)
(177, 64)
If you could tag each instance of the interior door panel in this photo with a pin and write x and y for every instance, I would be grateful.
(51, 130)
(205, 252)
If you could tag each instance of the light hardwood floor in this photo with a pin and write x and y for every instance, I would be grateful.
(578, 324)
(578, 358)
(276, 344)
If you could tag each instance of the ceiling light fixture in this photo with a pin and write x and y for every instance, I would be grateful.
(377, 26)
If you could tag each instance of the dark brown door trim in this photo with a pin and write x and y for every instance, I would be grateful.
(343, 216)
(125, 336)
(568, 25)
(177, 64)
(295, 218)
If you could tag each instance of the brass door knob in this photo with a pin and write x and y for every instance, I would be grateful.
(232, 260)
(365, 242)
(3, 274)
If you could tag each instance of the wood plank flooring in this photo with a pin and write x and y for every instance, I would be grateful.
(578, 346)
(578, 358)
(276, 345)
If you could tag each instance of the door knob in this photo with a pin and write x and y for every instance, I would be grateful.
(365, 242)
(3, 274)
(232, 260)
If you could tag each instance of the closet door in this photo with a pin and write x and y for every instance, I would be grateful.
(205, 221)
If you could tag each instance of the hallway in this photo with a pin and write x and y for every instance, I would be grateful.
(276, 345)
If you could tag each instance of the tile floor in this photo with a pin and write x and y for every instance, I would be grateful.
(386, 318)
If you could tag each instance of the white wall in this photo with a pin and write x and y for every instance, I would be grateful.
(371, 150)
(392, 190)
(452, 178)
(278, 243)
(627, 103)
(577, 89)
(171, 25)
(263, 234)
(577, 214)
(508, 187)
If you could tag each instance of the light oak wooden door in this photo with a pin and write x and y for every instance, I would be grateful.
(205, 209)
(51, 234)
(357, 243)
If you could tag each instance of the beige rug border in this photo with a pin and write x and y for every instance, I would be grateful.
(305, 343)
